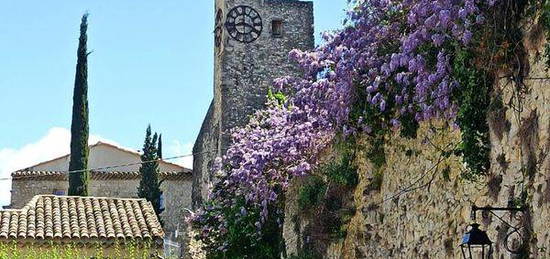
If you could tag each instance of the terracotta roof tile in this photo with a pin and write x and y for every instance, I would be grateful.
(141, 220)
(13, 225)
(5, 229)
(95, 175)
(82, 218)
(82, 221)
(90, 219)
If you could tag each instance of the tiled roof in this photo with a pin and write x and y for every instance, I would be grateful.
(55, 175)
(48, 217)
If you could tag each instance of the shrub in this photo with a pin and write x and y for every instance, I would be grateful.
(342, 172)
(311, 194)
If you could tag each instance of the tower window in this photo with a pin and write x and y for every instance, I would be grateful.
(58, 192)
(277, 28)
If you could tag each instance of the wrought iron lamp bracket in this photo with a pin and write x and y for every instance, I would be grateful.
(492, 209)
(515, 229)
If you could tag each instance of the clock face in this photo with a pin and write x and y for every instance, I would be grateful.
(244, 24)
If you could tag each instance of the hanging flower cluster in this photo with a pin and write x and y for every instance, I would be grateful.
(393, 56)
(279, 142)
(397, 53)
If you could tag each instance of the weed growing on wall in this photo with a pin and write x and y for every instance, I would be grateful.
(312, 193)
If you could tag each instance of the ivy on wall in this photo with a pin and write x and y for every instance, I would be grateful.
(473, 101)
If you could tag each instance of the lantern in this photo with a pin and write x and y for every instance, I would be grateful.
(476, 242)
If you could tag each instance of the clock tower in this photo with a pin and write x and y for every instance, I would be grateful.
(252, 41)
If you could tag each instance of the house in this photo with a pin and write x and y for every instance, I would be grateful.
(50, 178)
(51, 222)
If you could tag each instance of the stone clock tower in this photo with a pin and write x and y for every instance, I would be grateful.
(252, 42)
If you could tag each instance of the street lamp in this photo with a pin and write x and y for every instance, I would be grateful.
(473, 241)
(476, 242)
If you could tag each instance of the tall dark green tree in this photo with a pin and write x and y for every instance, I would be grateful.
(159, 149)
(78, 181)
(149, 186)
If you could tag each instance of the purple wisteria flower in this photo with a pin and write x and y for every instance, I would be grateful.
(391, 55)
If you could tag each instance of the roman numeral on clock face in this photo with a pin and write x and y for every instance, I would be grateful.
(244, 24)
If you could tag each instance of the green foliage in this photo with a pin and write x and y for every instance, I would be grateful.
(149, 185)
(409, 126)
(336, 228)
(279, 97)
(519, 202)
(498, 48)
(241, 229)
(311, 194)
(13, 250)
(78, 181)
(473, 99)
(342, 171)
(376, 153)
(159, 148)
(335, 216)
(377, 122)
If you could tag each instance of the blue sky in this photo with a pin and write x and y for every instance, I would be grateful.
(151, 63)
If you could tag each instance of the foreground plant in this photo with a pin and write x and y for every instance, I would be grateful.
(391, 67)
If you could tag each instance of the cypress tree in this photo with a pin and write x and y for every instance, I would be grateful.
(159, 150)
(149, 185)
(78, 181)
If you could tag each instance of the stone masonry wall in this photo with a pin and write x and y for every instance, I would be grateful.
(422, 208)
(243, 73)
(177, 195)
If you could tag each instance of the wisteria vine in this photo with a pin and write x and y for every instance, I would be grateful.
(392, 60)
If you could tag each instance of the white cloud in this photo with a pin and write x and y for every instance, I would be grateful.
(54, 144)
(176, 148)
